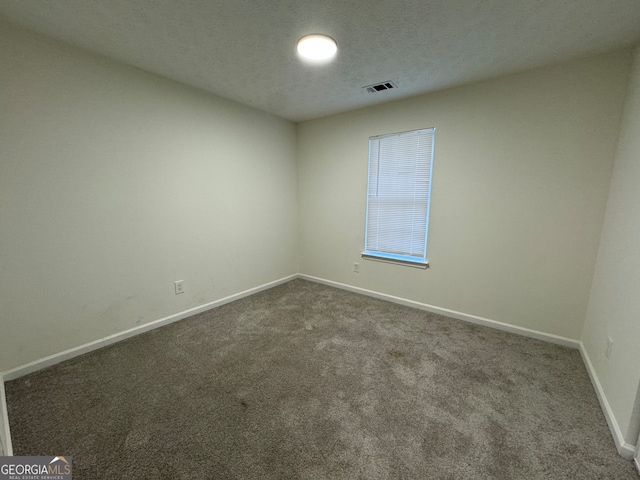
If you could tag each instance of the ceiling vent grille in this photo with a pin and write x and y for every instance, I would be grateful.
(379, 87)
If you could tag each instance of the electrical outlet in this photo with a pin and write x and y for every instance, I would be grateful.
(607, 352)
(356, 267)
(179, 286)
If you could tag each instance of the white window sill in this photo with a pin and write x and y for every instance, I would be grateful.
(422, 266)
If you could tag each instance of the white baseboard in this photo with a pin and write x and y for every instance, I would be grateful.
(5, 433)
(625, 449)
(45, 362)
(11, 374)
(547, 337)
(635, 462)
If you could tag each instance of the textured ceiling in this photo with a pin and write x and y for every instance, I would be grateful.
(245, 49)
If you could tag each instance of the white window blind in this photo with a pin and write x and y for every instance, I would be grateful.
(398, 196)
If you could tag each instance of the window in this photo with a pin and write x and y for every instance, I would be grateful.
(398, 195)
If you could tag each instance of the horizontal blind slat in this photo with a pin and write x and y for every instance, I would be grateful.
(398, 192)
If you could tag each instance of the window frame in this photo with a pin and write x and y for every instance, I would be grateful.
(392, 257)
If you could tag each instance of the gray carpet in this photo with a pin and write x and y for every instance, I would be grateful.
(308, 381)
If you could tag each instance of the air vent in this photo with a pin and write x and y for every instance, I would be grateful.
(379, 87)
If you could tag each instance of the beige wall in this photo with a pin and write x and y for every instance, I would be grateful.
(614, 305)
(521, 174)
(114, 183)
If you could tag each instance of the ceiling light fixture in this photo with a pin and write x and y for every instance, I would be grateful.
(317, 48)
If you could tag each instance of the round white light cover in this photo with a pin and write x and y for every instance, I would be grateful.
(317, 47)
